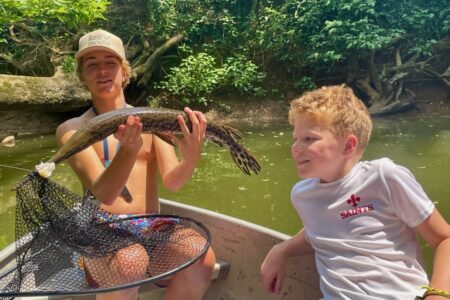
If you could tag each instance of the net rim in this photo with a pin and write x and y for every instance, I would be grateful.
(123, 286)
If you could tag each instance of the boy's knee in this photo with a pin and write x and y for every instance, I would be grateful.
(209, 261)
(127, 265)
(131, 262)
(199, 273)
(203, 269)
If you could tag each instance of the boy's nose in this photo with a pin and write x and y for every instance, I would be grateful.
(296, 147)
(102, 71)
(298, 143)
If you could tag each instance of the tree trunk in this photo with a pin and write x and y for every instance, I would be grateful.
(363, 84)
(60, 93)
(144, 71)
(386, 96)
(374, 75)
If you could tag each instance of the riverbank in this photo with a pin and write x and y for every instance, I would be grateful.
(247, 111)
(26, 123)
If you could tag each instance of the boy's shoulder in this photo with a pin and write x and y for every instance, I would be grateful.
(305, 183)
(73, 124)
(380, 161)
(388, 169)
(383, 163)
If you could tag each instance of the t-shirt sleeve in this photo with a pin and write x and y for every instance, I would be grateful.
(407, 197)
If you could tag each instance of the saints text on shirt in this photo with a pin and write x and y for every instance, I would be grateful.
(353, 201)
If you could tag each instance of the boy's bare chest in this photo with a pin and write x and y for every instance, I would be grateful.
(107, 148)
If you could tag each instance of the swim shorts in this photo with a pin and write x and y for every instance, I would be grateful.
(140, 225)
(132, 223)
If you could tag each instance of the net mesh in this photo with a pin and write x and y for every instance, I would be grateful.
(68, 245)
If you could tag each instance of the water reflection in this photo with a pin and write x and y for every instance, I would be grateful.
(419, 144)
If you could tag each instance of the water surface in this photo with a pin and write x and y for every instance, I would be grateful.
(420, 144)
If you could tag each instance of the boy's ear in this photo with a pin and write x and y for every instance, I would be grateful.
(350, 144)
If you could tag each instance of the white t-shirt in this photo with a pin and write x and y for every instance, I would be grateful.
(361, 227)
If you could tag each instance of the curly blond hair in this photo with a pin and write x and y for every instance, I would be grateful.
(338, 108)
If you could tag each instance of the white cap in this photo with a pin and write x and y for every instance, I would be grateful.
(100, 40)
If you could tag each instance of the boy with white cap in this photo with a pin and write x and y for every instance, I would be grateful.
(103, 68)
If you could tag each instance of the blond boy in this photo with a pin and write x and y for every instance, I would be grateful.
(360, 217)
(133, 160)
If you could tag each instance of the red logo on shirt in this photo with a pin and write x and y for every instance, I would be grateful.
(354, 201)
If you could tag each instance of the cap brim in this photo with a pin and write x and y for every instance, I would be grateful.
(85, 51)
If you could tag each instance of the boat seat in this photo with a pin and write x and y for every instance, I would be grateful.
(149, 291)
(221, 270)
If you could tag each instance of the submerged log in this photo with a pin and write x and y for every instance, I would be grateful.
(394, 107)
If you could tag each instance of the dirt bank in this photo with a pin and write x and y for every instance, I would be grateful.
(23, 123)
(429, 102)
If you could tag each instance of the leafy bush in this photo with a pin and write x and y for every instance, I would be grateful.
(68, 64)
(243, 75)
(305, 83)
(194, 79)
(199, 76)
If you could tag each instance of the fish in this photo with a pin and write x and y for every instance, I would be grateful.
(157, 121)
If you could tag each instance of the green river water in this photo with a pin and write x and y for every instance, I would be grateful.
(420, 144)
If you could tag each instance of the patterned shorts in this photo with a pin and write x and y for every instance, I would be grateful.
(132, 223)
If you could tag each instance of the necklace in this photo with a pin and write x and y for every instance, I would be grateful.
(106, 161)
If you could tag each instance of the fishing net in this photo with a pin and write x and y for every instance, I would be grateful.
(67, 245)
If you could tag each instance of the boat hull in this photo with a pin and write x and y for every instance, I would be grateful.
(242, 247)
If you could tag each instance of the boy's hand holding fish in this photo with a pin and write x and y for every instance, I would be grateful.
(129, 135)
(190, 144)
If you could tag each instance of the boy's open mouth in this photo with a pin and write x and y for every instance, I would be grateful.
(103, 81)
(302, 162)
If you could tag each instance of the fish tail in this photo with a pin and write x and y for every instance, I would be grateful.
(234, 133)
(226, 135)
(221, 132)
(244, 159)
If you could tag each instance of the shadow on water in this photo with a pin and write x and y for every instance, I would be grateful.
(419, 144)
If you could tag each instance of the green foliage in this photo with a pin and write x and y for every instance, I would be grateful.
(199, 76)
(68, 64)
(243, 75)
(308, 37)
(305, 83)
(422, 23)
(194, 79)
(325, 32)
(68, 12)
(235, 45)
(209, 25)
(34, 33)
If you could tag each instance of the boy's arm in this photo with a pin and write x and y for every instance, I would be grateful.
(272, 269)
(297, 245)
(436, 232)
